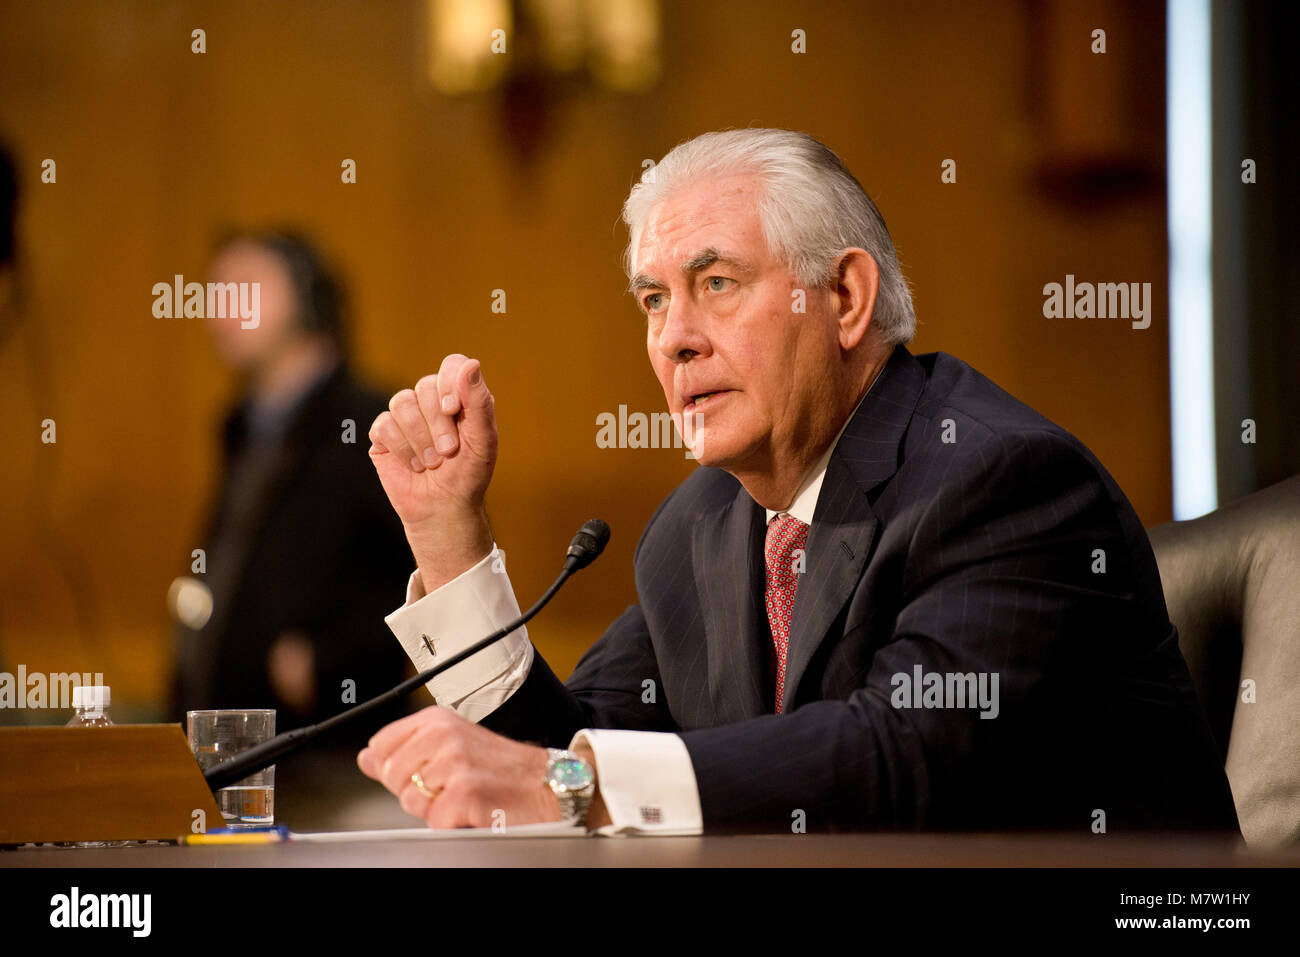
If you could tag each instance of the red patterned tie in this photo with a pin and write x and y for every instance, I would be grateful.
(786, 535)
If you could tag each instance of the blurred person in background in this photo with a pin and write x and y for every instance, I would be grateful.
(8, 211)
(8, 241)
(301, 548)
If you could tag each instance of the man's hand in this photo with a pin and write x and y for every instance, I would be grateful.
(471, 771)
(435, 449)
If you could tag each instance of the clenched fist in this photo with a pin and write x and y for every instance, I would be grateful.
(434, 450)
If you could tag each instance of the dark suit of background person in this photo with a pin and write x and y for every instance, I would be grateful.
(8, 208)
(301, 542)
(970, 556)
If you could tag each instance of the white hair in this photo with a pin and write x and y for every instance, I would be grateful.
(812, 209)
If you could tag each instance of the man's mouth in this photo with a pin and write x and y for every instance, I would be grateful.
(700, 399)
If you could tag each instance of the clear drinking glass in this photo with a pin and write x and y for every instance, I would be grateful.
(217, 736)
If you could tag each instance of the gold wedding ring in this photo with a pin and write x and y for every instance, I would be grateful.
(421, 786)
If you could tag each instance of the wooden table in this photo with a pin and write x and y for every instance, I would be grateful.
(786, 850)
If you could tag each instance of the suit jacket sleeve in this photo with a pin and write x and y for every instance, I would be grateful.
(606, 690)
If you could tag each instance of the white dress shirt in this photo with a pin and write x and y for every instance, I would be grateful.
(645, 777)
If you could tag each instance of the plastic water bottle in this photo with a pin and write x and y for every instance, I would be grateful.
(91, 703)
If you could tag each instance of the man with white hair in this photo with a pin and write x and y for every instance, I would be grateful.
(891, 597)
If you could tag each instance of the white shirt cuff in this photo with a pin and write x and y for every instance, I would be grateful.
(646, 780)
(451, 618)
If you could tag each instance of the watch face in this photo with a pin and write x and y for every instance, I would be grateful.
(571, 775)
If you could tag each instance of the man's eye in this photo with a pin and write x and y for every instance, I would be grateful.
(651, 302)
(717, 283)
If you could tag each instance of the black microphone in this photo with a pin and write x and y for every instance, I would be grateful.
(583, 550)
(587, 544)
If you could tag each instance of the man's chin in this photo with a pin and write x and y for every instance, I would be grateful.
(709, 461)
(712, 452)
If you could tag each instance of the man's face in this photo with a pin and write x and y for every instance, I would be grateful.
(249, 348)
(721, 319)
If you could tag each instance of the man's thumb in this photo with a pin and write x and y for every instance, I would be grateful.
(478, 428)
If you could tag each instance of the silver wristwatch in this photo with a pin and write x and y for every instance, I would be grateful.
(573, 782)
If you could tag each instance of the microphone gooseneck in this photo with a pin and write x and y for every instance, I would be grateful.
(585, 548)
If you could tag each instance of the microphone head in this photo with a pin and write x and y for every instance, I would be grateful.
(587, 544)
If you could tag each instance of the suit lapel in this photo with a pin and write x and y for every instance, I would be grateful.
(844, 525)
(734, 620)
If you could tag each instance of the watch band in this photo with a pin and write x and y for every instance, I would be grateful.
(574, 801)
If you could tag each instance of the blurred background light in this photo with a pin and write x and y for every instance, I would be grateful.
(1191, 332)
(615, 44)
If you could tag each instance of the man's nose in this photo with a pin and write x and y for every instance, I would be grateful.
(683, 334)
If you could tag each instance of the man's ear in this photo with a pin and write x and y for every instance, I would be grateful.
(856, 282)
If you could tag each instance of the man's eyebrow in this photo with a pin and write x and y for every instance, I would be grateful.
(702, 260)
(712, 257)
(642, 281)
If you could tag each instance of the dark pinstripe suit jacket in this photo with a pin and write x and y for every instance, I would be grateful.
(980, 554)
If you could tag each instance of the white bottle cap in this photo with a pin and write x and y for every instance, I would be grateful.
(91, 697)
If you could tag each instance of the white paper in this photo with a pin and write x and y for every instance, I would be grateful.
(545, 829)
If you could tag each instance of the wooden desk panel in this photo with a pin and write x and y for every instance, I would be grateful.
(803, 850)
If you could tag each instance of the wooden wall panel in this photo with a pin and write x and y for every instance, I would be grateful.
(157, 146)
